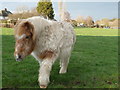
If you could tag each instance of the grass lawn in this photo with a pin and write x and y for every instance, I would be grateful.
(93, 64)
(96, 32)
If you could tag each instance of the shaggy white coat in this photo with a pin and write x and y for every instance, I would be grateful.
(55, 36)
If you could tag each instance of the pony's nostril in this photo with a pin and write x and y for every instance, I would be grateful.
(19, 56)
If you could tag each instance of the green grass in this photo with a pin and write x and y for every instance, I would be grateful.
(6, 31)
(93, 64)
(96, 32)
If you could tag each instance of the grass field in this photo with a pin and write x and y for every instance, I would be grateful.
(93, 64)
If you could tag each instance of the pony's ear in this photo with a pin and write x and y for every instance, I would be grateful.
(17, 23)
(16, 26)
(27, 25)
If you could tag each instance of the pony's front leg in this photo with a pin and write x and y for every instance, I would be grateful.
(44, 72)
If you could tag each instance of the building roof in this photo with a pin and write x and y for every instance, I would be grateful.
(4, 12)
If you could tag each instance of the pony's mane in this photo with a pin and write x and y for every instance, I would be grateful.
(40, 22)
(40, 18)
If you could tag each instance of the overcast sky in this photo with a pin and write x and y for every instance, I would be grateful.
(97, 10)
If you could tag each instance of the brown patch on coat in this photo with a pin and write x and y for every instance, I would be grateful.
(46, 54)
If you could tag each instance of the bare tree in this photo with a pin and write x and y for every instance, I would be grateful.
(89, 21)
(115, 23)
(60, 7)
(97, 22)
(80, 19)
(15, 16)
(105, 21)
(22, 9)
(24, 15)
(33, 10)
(64, 14)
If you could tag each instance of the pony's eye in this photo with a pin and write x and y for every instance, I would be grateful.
(27, 37)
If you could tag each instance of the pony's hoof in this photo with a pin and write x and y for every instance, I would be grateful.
(62, 71)
(43, 86)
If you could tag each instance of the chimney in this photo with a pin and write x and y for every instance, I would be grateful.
(5, 9)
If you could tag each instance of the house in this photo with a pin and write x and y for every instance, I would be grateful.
(80, 24)
(4, 14)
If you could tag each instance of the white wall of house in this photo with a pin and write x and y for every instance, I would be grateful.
(1, 17)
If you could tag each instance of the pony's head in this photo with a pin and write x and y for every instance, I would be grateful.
(25, 39)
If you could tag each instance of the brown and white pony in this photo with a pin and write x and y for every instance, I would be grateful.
(46, 41)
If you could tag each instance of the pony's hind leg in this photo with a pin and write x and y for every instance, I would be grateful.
(64, 59)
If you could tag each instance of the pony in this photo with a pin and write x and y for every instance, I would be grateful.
(47, 41)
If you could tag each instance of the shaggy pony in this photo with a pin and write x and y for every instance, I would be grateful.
(46, 41)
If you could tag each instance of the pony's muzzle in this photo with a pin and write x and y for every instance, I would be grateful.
(18, 58)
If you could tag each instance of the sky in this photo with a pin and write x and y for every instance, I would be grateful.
(97, 10)
(62, 0)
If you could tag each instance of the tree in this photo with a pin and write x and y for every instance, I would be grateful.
(60, 8)
(45, 9)
(22, 9)
(113, 19)
(115, 23)
(73, 23)
(89, 21)
(33, 10)
(24, 15)
(64, 14)
(105, 21)
(97, 22)
(80, 19)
